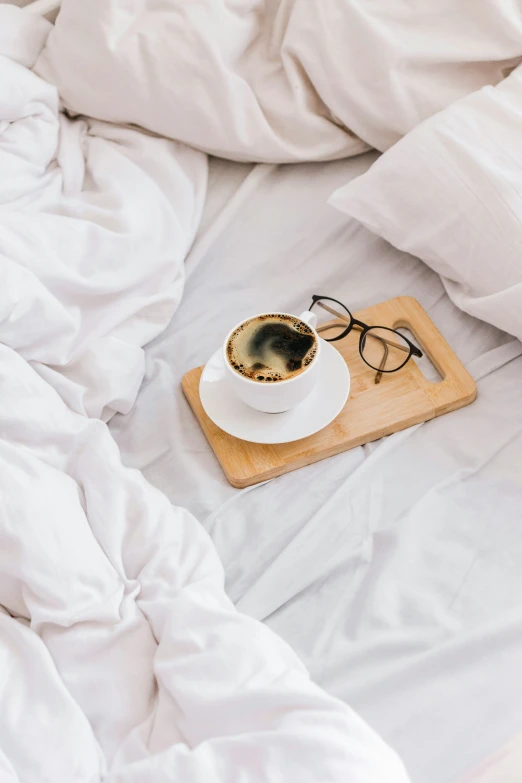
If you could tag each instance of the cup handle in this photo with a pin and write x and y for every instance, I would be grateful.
(309, 318)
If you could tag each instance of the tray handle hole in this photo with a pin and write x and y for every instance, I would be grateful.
(424, 364)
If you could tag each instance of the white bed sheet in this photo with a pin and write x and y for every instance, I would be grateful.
(395, 569)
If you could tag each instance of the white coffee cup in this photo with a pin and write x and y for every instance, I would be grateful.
(280, 396)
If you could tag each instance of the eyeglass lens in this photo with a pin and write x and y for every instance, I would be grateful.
(332, 318)
(384, 349)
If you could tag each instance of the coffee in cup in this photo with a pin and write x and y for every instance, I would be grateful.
(272, 360)
(271, 348)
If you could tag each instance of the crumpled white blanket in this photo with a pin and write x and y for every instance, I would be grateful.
(121, 658)
(126, 659)
(95, 222)
(278, 80)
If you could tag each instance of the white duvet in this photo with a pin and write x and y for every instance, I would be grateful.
(278, 80)
(121, 658)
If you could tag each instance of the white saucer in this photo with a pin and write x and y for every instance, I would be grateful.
(232, 415)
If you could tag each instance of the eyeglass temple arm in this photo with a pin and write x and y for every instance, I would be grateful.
(417, 351)
(382, 365)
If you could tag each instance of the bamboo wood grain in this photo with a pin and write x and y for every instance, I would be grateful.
(400, 400)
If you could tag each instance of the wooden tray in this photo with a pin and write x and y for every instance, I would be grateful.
(400, 400)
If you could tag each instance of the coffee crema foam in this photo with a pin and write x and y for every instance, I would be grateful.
(271, 348)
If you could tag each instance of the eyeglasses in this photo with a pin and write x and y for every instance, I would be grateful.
(381, 348)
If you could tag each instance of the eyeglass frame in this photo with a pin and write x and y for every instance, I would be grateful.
(365, 328)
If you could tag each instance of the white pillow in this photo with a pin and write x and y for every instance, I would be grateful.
(450, 193)
(278, 80)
